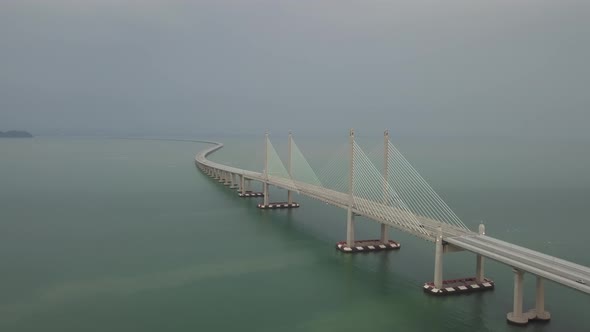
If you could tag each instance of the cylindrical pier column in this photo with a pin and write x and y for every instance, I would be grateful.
(479, 271)
(479, 276)
(350, 228)
(242, 184)
(539, 312)
(384, 234)
(516, 316)
(265, 186)
(438, 261)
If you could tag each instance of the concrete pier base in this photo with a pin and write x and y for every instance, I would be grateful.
(532, 314)
(514, 319)
(251, 194)
(459, 286)
(278, 205)
(367, 246)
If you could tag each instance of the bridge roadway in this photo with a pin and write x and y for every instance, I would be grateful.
(546, 266)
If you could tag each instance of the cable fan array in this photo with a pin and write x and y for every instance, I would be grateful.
(397, 196)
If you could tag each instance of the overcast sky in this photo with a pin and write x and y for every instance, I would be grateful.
(418, 67)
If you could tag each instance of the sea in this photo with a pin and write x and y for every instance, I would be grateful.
(113, 234)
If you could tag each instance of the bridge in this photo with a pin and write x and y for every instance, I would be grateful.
(396, 196)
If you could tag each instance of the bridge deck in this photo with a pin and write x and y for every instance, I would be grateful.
(552, 268)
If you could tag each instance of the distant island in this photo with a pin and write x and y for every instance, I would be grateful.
(15, 134)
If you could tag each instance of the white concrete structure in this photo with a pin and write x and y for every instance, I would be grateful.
(448, 235)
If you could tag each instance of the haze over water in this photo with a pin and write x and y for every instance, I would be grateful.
(127, 235)
(489, 101)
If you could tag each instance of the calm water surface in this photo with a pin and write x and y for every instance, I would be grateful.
(126, 235)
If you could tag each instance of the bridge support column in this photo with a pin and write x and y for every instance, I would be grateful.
(265, 186)
(350, 228)
(242, 184)
(516, 316)
(539, 312)
(438, 261)
(479, 275)
(479, 270)
(384, 234)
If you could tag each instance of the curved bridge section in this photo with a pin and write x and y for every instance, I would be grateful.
(447, 237)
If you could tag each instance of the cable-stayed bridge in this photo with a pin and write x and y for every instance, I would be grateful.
(396, 196)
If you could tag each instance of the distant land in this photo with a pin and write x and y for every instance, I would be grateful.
(15, 134)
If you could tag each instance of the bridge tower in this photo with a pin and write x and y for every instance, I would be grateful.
(290, 167)
(271, 162)
(265, 183)
(355, 153)
(350, 214)
(384, 230)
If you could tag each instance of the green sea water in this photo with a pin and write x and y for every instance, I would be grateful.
(127, 235)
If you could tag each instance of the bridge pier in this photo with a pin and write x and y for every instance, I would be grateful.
(265, 191)
(384, 234)
(234, 182)
(245, 188)
(516, 316)
(479, 275)
(456, 286)
(438, 261)
(350, 228)
(539, 312)
(276, 205)
(267, 205)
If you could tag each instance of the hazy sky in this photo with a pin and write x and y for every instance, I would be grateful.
(454, 67)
